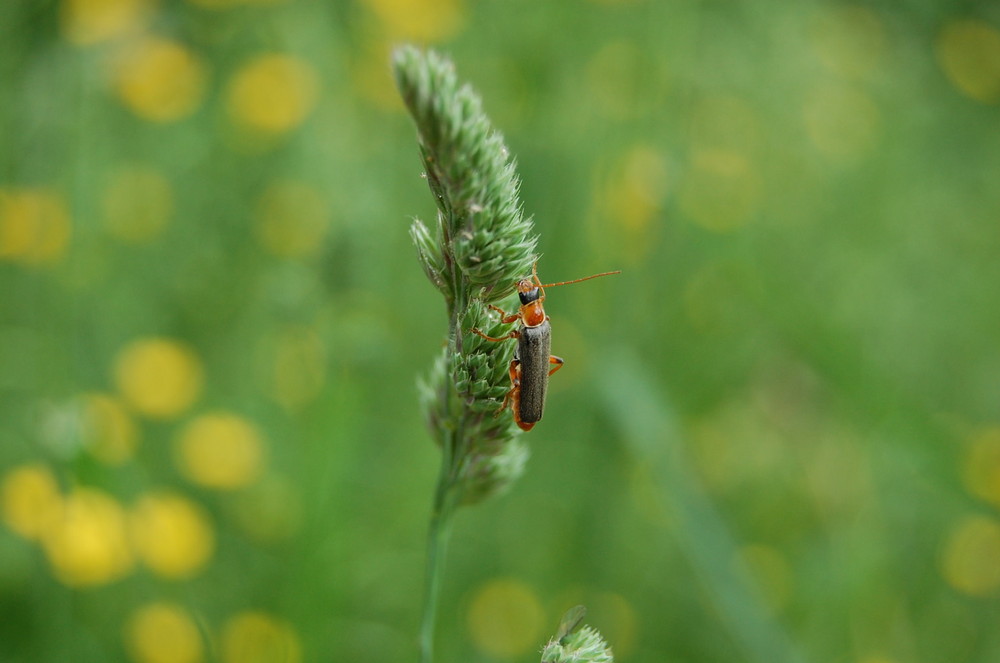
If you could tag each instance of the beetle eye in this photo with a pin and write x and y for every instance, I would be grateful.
(529, 296)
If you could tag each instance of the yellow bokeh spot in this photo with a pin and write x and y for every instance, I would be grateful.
(771, 571)
(505, 618)
(30, 500)
(137, 203)
(981, 473)
(618, 621)
(227, 4)
(734, 446)
(270, 510)
(419, 20)
(34, 226)
(968, 51)
(273, 93)
(107, 429)
(299, 367)
(87, 543)
(220, 450)
(255, 637)
(163, 633)
(637, 192)
(720, 191)
(849, 40)
(725, 122)
(158, 377)
(172, 535)
(373, 80)
(292, 219)
(708, 308)
(712, 453)
(160, 80)
(613, 79)
(971, 559)
(838, 472)
(85, 22)
(842, 121)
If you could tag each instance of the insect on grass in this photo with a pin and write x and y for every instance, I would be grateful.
(533, 363)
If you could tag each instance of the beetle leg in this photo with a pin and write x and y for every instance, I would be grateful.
(513, 397)
(505, 317)
(538, 284)
(534, 273)
(557, 361)
(515, 407)
(515, 388)
(512, 334)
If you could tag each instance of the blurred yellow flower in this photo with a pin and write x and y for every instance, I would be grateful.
(172, 535)
(273, 93)
(107, 430)
(640, 188)
(505, 618)
(220, 450)
(255, 637)
(618, 619)
(160, 80)
(841, 120)
(849, 40)
(981, 473)
(34, 226)
(721, 190)
(968, 50)
(373, 80)
(85, 22)
(292, 219)
(227, 4)
(87, 544)
(137, 203)
(725, 122)
(30, 500)
(160, 378)
(419, 20)
(971, 559)
(298, 359)
(614, 76)
(163, 633)
(632, 196)
(270, 510)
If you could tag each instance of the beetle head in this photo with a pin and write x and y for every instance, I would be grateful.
(527, 291)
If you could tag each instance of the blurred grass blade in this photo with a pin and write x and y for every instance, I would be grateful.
(651, 433)
(570, 621)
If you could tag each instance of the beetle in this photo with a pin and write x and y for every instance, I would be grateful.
(533, 362)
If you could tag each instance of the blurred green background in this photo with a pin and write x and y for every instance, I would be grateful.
(777, 435)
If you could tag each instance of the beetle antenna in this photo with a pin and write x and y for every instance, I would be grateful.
(585, 278)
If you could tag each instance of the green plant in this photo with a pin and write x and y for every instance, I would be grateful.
(480, 245)
(570, 645)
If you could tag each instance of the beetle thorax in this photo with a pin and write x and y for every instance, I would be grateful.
(533, 314)
(531, 296)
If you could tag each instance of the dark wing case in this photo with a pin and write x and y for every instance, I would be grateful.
(533, 348)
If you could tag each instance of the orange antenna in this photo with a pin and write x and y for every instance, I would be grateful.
(585, 278)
